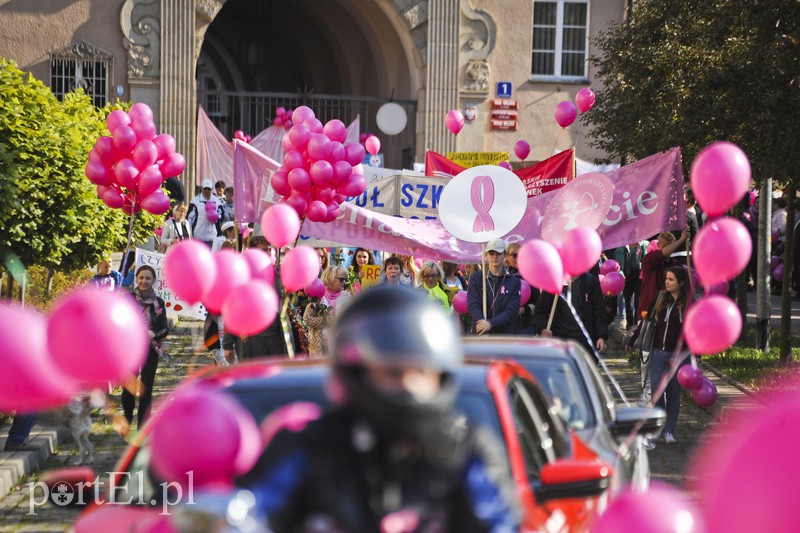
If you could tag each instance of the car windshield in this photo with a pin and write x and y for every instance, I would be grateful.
(561, 380)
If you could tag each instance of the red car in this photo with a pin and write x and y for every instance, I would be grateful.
(559, 480)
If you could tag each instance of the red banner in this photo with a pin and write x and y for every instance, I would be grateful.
(548, 175)
(437, 165)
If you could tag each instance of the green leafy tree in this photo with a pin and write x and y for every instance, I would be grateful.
(50, 214)
(689, 72)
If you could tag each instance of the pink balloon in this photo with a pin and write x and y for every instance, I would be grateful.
(661, 509)
(111, 197)
(539, 263)
(712, 325)
(337, 152)
(524, 293)
(173, 165)
(216, 425)
(128, 206)
(293, 159)
(333, 212)
(299, 268)
(584, 100)
(301, 114)
(580, 250)
(280, 225)
(758, 449)
(145, 154)
(460, 302)
(454, 120)
(165, 144)
(354, 153)
(720, 176)
(774, 261)
(280, 111)
(319, 147)
(149, 181)
(522, 149)
(140, 111)
(116, 119)
(277, 122)
(324, 193)
(373, 145)
(232, 271)
(250, 308)
(299, 136)
(157, 202)
(690, 377)
(505, 164)
(316, 289)
(362, 137)
(98, 336)
(313, 125)
(30, 380)
(190, 270)
(341, 173)
(145, 130)
(298, 202)
(652, 246)
(777, 272)
(721, 250)
(706, 394)
(299, 180)
(98, 173)
(104, 147)
(316, 211)
(566, 112)
(124, 141)
(335, 130)
(609, 265)
(260, 264)
(286, 143)
(126, 172)
(280, 183)
(355, 185)
(612, 284)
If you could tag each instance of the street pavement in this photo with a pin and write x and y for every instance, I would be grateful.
(669, 463)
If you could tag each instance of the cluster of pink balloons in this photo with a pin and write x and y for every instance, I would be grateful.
(237, 286)
(454, 120)
(129, 166)
(567, 112)
(225, 439)
(522, 149)
(91, 337)
(283, 118)
(242, 136)
(704, 392)
(319, 172)
(720, 176)
(612, 280)
(547, 266)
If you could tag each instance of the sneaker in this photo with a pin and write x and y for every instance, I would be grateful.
(650, 444)
(669, 439)
(219, 358)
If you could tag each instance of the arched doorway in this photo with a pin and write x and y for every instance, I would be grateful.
(342, 58)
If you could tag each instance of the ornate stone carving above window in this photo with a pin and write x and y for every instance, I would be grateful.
(477, 40)
(141, 28)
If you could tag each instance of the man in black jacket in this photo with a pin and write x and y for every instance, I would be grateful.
(587, 299)
(502, 294)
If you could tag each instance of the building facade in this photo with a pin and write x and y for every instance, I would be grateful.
(242, 59)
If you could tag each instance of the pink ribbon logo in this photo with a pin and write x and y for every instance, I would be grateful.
(482, 197)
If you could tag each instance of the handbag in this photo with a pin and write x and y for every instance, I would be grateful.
(647, 333)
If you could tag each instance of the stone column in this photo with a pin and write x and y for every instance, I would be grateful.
(442, 87)
(177, 96)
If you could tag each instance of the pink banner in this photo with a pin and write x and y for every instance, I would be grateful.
(648, 199)
(251, 171)
(214, 153)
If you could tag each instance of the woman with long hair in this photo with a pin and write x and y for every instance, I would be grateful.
(669, 311)
(361, 258)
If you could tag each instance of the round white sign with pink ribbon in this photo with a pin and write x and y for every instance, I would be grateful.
(482, 203)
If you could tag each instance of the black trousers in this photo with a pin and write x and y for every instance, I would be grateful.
(148, 374)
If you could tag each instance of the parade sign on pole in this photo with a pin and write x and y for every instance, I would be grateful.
(480, 204)
(583, 202)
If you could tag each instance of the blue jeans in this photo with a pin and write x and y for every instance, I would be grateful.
(670, 400)
(20, 429)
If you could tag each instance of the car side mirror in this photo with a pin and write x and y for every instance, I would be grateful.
(645, 421)
(572, 479)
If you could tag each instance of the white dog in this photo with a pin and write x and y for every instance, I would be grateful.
(80, 424)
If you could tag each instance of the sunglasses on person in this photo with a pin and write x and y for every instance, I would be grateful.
(343, 280)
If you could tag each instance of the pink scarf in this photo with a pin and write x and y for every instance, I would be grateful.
(331, 297)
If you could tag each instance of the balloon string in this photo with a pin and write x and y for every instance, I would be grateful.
(552, 153)
(130, 241)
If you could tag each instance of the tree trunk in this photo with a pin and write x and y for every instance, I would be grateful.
(23, 285)
(786, 292)
(763, 271)
(48, 288)
(741, 284)
(9, 286)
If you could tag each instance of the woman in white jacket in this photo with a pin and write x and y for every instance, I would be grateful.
(177, 228)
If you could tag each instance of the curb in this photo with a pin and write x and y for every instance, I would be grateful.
(14, 466)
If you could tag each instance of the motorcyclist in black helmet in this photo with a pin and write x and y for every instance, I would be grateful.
(389, 456)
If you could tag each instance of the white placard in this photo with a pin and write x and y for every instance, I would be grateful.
(391, 118)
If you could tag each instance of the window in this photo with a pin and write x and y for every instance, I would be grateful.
(560, 44)
(81, 66)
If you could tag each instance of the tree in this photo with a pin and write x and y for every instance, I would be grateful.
(689, 72)
(50, 214)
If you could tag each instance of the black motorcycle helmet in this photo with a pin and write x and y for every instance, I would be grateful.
(395, 327)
